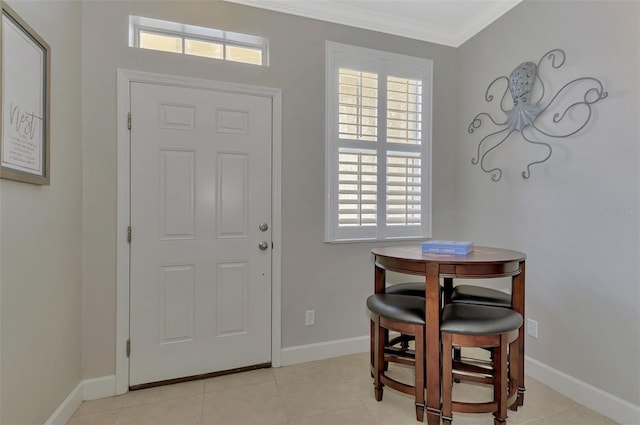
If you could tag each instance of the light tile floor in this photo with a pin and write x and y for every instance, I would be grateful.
(333, 391)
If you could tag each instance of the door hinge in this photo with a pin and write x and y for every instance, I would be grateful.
(128, 348)
(129, 234)
(129, 120)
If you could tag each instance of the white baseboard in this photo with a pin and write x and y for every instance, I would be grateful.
(594, 398)
(324, 350)
(94, 388)
(89, 389)
(68, 407)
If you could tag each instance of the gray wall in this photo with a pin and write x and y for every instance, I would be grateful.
(333, 279)
(40, 253)
(582, 269)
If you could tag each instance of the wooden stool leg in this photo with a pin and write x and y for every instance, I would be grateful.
(385, 365)
(457, 356)
(514, 367)
(447, 381)
(378, 361)
(500, 386)
(419, 372)
(372, 345)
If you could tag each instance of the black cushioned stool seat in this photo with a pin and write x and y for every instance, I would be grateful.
(404, 314)
(469, 319)
(472, 294)
(400, 308)
(469, 325)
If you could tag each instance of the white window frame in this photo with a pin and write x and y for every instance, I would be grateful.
(194, 32)
(385, 64)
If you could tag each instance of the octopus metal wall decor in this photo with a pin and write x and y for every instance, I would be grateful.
(524, 113)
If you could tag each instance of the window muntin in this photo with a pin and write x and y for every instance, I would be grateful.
(174, 37)
(378, 145)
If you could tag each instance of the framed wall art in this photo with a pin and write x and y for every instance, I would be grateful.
(25, 127)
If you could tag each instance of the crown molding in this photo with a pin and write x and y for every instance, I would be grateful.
(347, 13)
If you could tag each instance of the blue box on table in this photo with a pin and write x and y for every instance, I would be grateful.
(447, 247)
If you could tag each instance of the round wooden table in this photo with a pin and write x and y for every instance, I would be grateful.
(481, 263)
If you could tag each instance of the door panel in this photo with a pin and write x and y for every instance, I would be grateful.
(200, 185)
(177, 188)
(233, 199)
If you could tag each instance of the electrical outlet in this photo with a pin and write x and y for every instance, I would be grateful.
(309, 317)
(532, 328)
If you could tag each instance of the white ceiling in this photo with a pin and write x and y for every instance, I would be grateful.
(447, 22)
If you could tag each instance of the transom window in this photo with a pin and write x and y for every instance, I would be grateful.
(377, 145)
(174, 37)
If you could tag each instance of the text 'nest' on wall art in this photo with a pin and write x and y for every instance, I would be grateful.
(524, 115)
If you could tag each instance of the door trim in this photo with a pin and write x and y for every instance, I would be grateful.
(125, 78)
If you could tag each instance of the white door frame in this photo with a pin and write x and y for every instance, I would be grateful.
(125, 77)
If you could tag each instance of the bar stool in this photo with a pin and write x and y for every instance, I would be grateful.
(478, 295)
(404, 314)
(469, 325)
(415, 289)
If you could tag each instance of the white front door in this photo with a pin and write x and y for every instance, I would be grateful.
(200, 283)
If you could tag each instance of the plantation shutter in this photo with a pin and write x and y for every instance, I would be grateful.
(378, 155)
